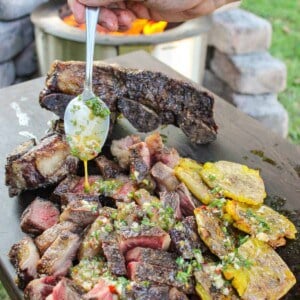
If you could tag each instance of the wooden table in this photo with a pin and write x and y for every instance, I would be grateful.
(240, 139)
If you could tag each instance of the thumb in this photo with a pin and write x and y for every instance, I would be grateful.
(97, 2)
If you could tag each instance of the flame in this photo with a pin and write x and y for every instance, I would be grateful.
(139, 26)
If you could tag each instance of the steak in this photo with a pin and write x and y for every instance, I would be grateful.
(175, 294)
(39, 216)
(185, 238)
(152, 256)
(172, 200)
(139, 158)
(80, 212)
(187, 203)
(102, 291)
(39, 289)
(65, 290)
(138, 271)
(44, 240)
(58, 258)
(150, 291)
(173, 101)
(153, 237)
(107, 167)
(114, 257)
(42, 165)
(24, 257)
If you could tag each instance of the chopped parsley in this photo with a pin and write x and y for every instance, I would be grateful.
(97, 108)
(263, 225)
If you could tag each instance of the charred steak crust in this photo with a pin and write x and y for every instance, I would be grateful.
(168, 101)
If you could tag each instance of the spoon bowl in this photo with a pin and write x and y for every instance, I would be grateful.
(86, 118)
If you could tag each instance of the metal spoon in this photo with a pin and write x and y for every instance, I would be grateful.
(86, 118)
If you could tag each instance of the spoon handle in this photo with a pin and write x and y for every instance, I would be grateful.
(91, 16)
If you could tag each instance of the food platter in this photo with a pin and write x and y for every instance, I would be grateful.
(240, 139)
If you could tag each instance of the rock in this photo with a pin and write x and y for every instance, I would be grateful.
(14, 9)
(255, 73)
(7, 73)
(14, 37)
(237, 31)
(264, 108)
(26, 61)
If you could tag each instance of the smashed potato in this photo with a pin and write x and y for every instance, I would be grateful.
(262, 222)
(188, 171)
(235, 181)
(258, 272)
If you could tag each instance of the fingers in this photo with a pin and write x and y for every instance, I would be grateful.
(97, 2)
(140, 10)
(125, 18)
(78, 10)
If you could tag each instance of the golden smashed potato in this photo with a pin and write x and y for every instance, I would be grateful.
(235, 181)
(262, 222)
(188, 171)
(258, 272)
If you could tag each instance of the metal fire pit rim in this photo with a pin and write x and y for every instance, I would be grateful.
(46, 17)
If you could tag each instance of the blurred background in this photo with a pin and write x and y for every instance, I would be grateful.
(248, 54)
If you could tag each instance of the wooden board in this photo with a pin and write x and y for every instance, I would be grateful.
(240, 139)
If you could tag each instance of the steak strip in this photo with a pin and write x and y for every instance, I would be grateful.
(171, 101)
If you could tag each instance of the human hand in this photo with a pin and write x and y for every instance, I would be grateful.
(119, 15)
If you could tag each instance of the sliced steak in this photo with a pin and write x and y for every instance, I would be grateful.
(120, 149)
(147, 292)
(42, 165)
(171, 199)
(65, 290)
(147, 237)
(152, 256)
(115, 258)
(98, 232)
(165, 177)
(39, 216)
(139, 157)
(155, 144)
(64, 187)
(102, 291)
(58, 258)
(185, 238)
(175, 294)
(168, 156)
(81, 212)
(20, 150)
(44, 240)
(24, 257)
(187, 203)
(67, 198)
(107, 167)
(175, 102)
(39, 289)
(140, 272)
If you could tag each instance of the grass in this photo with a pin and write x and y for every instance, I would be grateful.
(284, 17)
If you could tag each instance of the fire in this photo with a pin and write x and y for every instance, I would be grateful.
(139, 26)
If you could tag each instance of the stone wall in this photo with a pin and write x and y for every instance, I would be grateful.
(17, 49)
(240, 69)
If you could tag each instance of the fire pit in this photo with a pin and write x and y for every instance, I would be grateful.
(182, 46)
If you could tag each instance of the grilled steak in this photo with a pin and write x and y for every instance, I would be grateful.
(173, 101)
(120, 149)
(114, 257)
(39, 216)
(24, 256)
(137, 291)
(108, 168)
(42, 165)
(58, 258)
(39, 289)
(80, 212)
(153, 237)
(65, 290)
(165, 177)
(139, 272)
(187, 203)
(172, 200)
(139, 157)
(44, 240)
(185, 238)
(102, 291)
(152, 256)
(175, 294)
